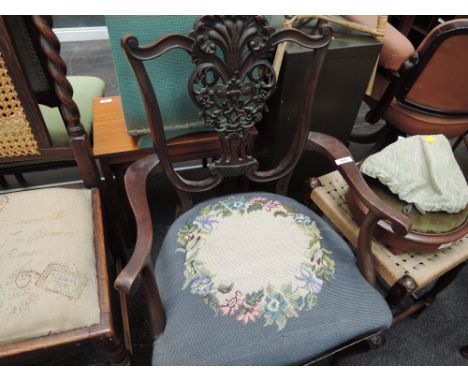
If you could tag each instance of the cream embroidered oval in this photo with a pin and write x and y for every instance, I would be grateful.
(254, 258)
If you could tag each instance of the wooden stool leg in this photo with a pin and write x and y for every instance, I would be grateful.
(3, 182)
(443, 282)
(402, 288)
(457, 142)
(117, 219)
(464, 351)
(114, 350)
(309, 185)
(464, 138)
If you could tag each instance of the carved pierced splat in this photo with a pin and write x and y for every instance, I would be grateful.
(232, 80)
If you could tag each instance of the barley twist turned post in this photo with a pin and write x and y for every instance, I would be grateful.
(79, 141)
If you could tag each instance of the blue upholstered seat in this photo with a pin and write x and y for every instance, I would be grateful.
(259, 279)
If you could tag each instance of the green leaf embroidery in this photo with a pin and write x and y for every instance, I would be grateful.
(225, 288)
(280, 213)
(254, 298)
(286, 288)
(281, 322)
(290, 209)
(310, 301)
(205, 210)
(254, 207)
(226, 212)
(212, 302)
(290, 312)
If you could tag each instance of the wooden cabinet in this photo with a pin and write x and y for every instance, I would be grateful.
(342, 83)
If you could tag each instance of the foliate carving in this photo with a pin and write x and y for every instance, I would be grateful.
(233, 79)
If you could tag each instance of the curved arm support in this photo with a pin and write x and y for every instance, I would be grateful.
(135, 184)
(334, 149)
(364, 254)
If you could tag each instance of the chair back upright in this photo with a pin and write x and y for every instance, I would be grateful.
(438, 83)
(32, 72)
(231, 82)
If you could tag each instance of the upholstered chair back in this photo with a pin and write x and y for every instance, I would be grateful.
(442, 83)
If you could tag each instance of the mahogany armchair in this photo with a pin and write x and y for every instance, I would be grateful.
(251, 278)
(421, 91)
(27, 68)
(55, 295)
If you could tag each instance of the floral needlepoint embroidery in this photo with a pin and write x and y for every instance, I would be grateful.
(232, 305)
(228, 267)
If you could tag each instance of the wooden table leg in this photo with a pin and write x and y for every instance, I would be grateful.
(3, 182)
(116, 216)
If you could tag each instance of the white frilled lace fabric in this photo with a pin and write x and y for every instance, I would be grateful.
(421, 170)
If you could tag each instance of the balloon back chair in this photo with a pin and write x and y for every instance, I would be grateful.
(424, 91)
(252, 278)
(55, 292)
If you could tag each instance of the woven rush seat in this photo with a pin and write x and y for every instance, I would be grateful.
(259, 279)
(423, 268)
(48, 280)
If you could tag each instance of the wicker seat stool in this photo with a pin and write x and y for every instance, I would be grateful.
(405, 274)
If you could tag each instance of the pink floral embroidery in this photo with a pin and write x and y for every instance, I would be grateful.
(272, 204)
(258, 199)
(249, 314)
(232, 305)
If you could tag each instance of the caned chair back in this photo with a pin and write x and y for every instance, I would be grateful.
(32, 72)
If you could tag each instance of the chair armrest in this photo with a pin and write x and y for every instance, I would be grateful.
(334, 150)
(135, 184)
(398, 81)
